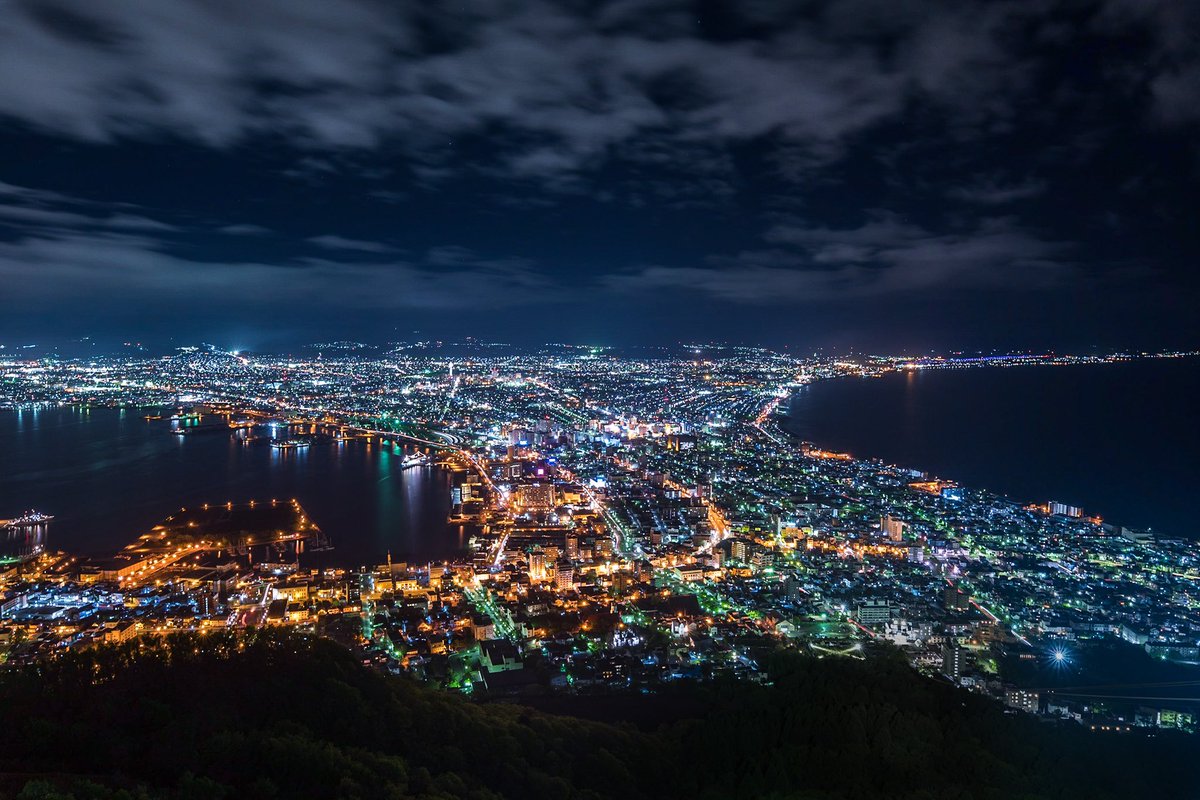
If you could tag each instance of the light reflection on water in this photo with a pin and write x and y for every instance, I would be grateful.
(1117, 439)
(108, 475)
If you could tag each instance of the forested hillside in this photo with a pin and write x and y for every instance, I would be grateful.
(276, 715)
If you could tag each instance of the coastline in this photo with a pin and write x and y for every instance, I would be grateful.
(842, 439)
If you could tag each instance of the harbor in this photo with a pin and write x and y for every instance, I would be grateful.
(107, 475)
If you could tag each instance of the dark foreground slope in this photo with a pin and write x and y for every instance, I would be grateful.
(275, 715)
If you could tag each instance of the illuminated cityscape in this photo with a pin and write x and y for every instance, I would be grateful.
(634, 520)
(611, 400)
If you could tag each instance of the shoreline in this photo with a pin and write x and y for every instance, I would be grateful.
(779, 424)
(130, 520)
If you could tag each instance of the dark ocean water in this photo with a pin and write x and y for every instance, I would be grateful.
(109, 475)
(1120, 440)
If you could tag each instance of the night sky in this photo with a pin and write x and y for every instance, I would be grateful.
(868, 173)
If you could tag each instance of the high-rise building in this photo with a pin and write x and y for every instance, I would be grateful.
(1021, 698)
(564, 575)
(622, 581)
(537, 564)
(739, 549)
(956, 600)
(763, 558)
(893, 527)
(1064, 510)
(952, 661)
(874, 612)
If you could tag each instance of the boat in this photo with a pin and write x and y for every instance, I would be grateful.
(27, 519)
(190, 430)
(289, 444)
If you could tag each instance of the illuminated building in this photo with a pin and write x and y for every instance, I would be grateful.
(873, 612)
(535, 497)
(537, 564)
(564, 576)
(482, 627)
(1063, 510)
(681, 441)
(893, 527)
(955, 599)
(737, 548)
(499, 655)
(1023, 699)
(952, 661)
(1182, 720)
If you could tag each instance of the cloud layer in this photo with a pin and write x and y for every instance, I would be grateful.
(755, 153)
(65, 257)
(564, 85)
(884, 257)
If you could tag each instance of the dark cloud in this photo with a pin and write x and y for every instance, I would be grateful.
(1170, 67)
(883, 257)
(57, 257)
(564, 88)
(25, 208)
(992, 191)
(501, 154)
(1177, 94)
(68, 267)
(244, 230)
(30, 216)
(333, 242)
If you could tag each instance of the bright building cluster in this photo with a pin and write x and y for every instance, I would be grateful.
(636, 519)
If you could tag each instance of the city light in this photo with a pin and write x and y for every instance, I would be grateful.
(609, 506)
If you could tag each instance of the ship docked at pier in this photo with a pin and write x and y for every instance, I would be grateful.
(23, 538)
(290, 444)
